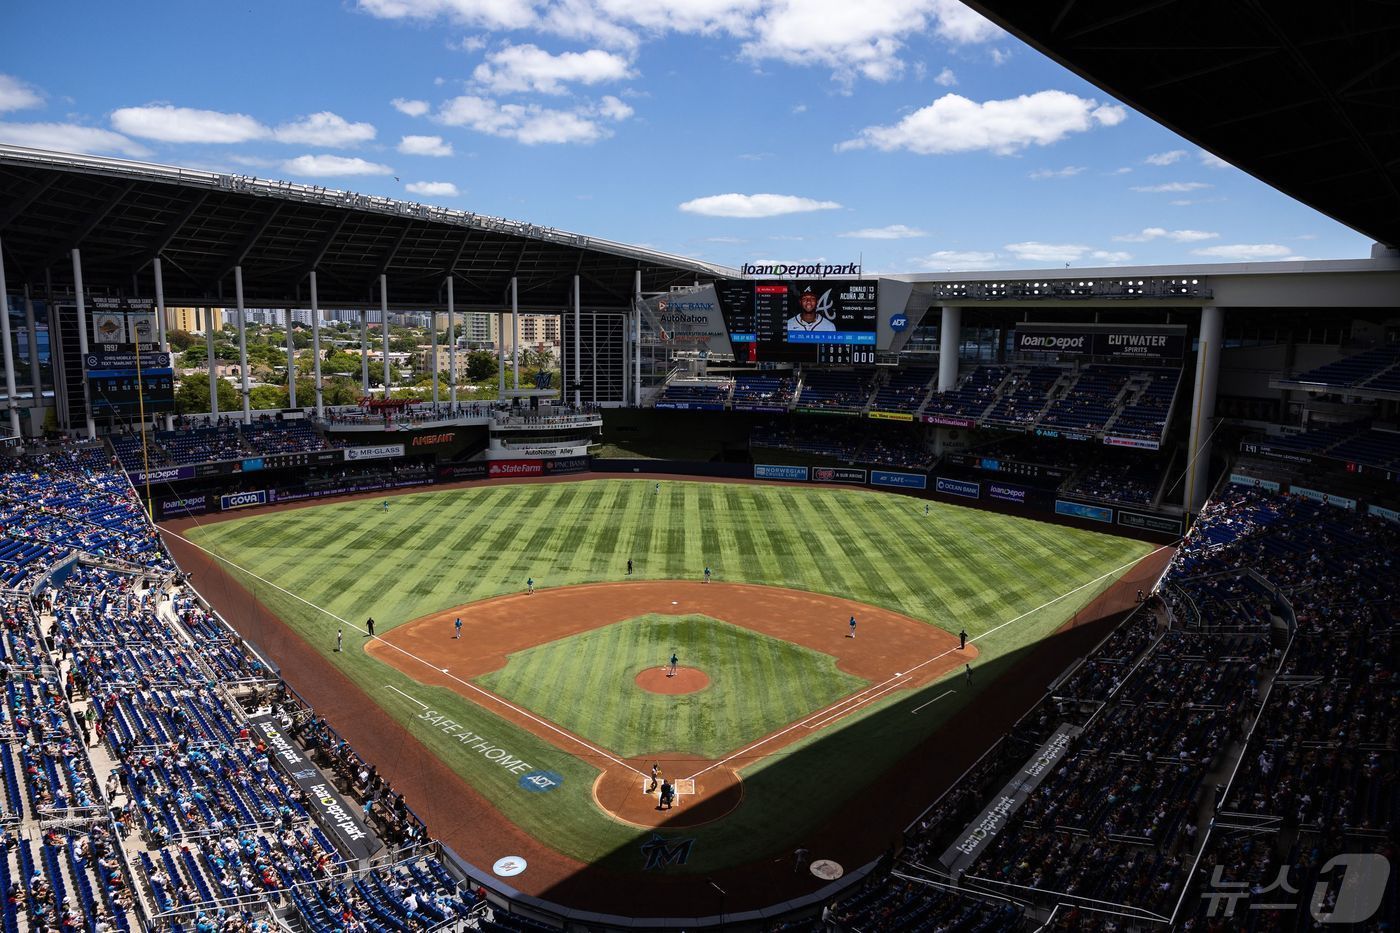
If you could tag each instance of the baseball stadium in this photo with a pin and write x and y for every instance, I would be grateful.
(786, 598)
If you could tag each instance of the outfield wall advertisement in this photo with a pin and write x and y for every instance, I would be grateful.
(957, 487)
(1160, 523)
(898, 480)
(852, 475)
(771, 471)
(242, 500)
(1094, 513)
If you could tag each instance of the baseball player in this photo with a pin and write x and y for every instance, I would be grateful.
(629, 566)
(457, 627)
(386, 505)
(339, 638)
(655, 776)
(530, 586)
(707, 574)
(674, 661)
(852, 633)
(962, 640)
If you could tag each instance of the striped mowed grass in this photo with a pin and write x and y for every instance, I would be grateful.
(1009, 581)
(587, 684)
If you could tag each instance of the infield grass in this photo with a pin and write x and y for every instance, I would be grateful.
(1009, 581)
(587, 684)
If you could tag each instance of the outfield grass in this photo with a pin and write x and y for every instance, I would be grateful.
(955, 567)
(587, 684)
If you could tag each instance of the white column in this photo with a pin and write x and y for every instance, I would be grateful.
(437, 370)
(1203, 409)
(501, 355)
(578, 319)
(316, 348)
(949, 339)
(364, 354)
(36, 376)
(452, 344)
(291, 362)
(384, 320)
(637, 336)
(83, 338)
(9, 351)
(515, 328)
(209, 362)
(161, 329)
(593, 357)
(242, 344)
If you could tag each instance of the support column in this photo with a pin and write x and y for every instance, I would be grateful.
(501, 355)
(161, 329)
(578, 319)
(515, 329)
(364, 353)
(210, 363)
(242, 345)
(9, 351)
(316, 349)
(384, 319)
(437, 370)
(83, 339)
(1203, 408)
(637, 336)
(949, 339)
(593, 357)
(291, 363)
(452, 345)
(36, 377)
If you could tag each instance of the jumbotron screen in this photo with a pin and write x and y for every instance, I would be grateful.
(807, 321)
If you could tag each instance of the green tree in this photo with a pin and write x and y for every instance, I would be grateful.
(180, 340)
(268, 396)
(192, 396)
(481, 365)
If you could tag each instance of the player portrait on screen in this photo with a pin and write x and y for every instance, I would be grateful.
(816, 314)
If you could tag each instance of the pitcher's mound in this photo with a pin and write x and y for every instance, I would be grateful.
(686, 680)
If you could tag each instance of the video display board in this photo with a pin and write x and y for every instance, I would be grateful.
(804, 321)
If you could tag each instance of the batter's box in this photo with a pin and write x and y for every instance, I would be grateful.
(682, 786)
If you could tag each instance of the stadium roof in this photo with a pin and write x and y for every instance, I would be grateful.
(1302, 96)
(123, 214)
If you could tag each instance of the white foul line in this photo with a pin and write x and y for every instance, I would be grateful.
(408, 654)
(931, 702)
(938, 657)
(838, 713)
(406, 696)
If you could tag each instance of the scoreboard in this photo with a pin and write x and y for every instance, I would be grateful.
(806, 321)
(124, 379)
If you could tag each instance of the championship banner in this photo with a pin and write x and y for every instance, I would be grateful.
(327, 806)
(241, 500)
(981, 831)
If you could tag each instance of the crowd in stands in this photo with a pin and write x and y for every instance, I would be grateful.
(1115, 477)
(834, 390)
(762, 392)
(1378, 368)
(847, 442)
(694, 395)
(228, 439)
(905, 389)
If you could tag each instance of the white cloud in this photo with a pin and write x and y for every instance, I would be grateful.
(168, 124)
(956, 260)
(324, 129)
(1172, 187)
(961, 25)
(333, 166)
(425, 146)
(1110, 256)
(1121, 170)
(69, 137)
(487, 14)
(1155, 233)
(1211, 160)
(1246, 252)
(1165, 158)
(891, 232)
(433, 189)
(799, 108)
(754, 205)
(953, 123)
(1033, 251)
(525, 68)
(414, 108)
(531, 124)
(1069, 171)
(945, 78)
(725, 239)
(16, 95)
(468, 44)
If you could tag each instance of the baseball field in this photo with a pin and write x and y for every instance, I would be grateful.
(553, 706)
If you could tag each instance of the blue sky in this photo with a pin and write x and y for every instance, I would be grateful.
(908, 133)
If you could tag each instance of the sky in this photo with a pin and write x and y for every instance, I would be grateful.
(909, 135)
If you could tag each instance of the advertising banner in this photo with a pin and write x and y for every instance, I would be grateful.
(769, 471)
(162, 475)
(899, 480)
(183, 505)
(504, 468)
(983, 830)
(1239, 479)
(1137, 442)
(689, 320)
(1124, 342)
(451, 472)
(690, 406)
(1161, 523)
(1341, 502)
(1007, 493)
(1094, 513)
(330, 810)
(890, 415)
(958, 487)
(241, 500)
(1389, 515)
(561, 465)
(380, 452)
(948, 421)
(150, 362)
(838, 475)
